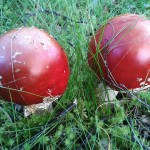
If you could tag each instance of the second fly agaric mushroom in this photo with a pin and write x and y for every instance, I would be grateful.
(121, 49)
(32, 66)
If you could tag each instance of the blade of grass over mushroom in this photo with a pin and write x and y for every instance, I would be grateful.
(98, 54)
(122, 32)
(12, 89)
(95, 57)
(129, 28)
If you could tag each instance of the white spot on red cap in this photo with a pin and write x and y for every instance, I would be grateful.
(3, 47)
(139, 79)
(148, 79)
(16, 61)
(17, 70)
(49, 91)
(16, 54)
(21, 89)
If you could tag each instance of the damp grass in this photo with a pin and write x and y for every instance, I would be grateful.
(93, 124)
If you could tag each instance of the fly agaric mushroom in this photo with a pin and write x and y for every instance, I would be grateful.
(32, 66)
(121, 49)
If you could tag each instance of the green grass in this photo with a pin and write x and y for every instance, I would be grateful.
(72, 23)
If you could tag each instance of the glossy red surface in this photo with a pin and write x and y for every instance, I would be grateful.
(32, 66)
(122, 48)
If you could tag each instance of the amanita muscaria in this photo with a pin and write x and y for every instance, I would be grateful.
(32, 66)
(121, 48)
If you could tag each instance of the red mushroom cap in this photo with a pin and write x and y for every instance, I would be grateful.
(32, 66)
(122, 48)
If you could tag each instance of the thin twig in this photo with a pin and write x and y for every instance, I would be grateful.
(134, 137)
(27, 15)
(130, 93)
(84, 142)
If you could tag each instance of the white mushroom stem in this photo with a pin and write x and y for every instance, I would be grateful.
(105, 93)
(45, 106)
